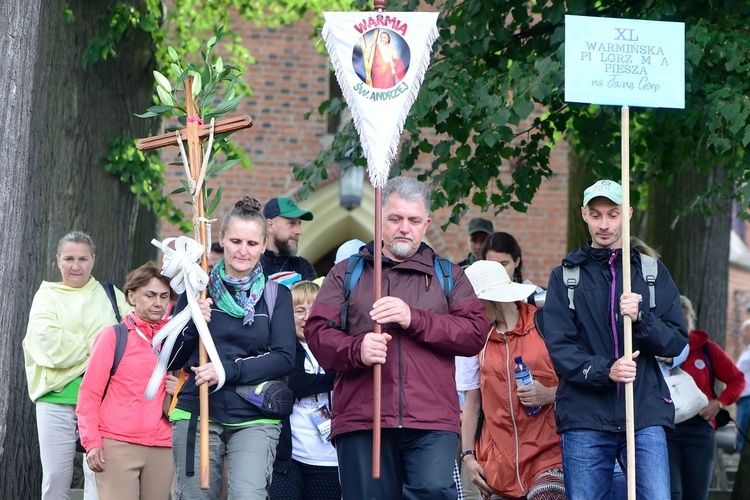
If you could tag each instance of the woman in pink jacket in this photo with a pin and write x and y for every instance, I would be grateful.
(127, 437)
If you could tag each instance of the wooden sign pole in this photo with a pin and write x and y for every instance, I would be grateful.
(626, 288)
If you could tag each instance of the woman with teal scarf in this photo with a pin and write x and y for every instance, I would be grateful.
(253, 348)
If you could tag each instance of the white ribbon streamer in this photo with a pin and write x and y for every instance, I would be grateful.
(186, 276)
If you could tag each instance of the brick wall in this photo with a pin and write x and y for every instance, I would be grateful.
(290, 77)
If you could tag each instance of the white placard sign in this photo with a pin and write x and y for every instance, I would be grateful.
(624, 62)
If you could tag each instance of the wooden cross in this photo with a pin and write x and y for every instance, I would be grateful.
(193, 132)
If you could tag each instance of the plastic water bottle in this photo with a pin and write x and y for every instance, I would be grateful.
(523, 377)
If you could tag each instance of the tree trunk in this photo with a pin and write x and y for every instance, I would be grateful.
(57, 120)
(696, 250)
(579, 177)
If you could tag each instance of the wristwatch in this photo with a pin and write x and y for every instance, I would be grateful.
(466, 453)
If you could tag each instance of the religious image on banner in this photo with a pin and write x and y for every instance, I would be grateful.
(385, 60)
(380, 61)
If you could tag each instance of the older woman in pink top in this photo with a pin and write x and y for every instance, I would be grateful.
(127, 437)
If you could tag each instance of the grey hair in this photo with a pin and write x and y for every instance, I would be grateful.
(409, 189)
(76, 237)
(688, 306)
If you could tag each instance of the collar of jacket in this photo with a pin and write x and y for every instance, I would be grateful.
(599, 256)
(525, 323)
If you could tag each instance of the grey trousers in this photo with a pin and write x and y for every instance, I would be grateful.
(250, 452)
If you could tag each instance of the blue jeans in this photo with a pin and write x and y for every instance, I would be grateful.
(588, 458)
(742, 420)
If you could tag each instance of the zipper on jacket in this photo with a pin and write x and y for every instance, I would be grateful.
(612, 312)
(400, 385)
(509, 371)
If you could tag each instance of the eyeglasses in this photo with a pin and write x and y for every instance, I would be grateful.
(301, 311)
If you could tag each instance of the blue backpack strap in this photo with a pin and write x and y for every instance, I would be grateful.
(353, 272)
(356, 265)
(443, 272)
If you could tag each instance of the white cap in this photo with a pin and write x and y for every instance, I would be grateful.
(348, 249)
(491, 282)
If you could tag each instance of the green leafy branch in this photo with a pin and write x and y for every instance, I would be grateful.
(118, 20)
(214, 94)
(208, 81)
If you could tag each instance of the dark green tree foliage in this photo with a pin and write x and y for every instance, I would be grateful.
(494, 95)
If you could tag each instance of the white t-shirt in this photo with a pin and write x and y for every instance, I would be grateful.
(467, 373)
(743, 363)
(307, 445)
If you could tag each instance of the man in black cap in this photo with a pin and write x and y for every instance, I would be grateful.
(479, 229)
(284, 229)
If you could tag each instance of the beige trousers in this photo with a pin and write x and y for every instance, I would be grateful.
(133, 471)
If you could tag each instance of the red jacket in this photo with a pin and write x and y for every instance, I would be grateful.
(724, 369)
(418, 385)
(515, 448)
(125, 414)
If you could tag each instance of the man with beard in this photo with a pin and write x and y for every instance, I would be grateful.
(479, 230)
(422, 331)
(284, 229)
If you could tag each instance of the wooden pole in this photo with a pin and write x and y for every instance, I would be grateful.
(195, 160)
(626, 286)
(377, 376)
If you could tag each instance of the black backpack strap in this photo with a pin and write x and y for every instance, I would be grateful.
(121, 341)
(539, 322)
(109, 289)
(353, 272)
(190, 444)
(707, 358)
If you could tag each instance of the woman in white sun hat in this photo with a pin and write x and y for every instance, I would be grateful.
(516, 454)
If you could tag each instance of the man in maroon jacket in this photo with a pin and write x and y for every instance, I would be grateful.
(422, 332)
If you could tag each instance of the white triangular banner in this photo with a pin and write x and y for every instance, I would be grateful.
(380, 61)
